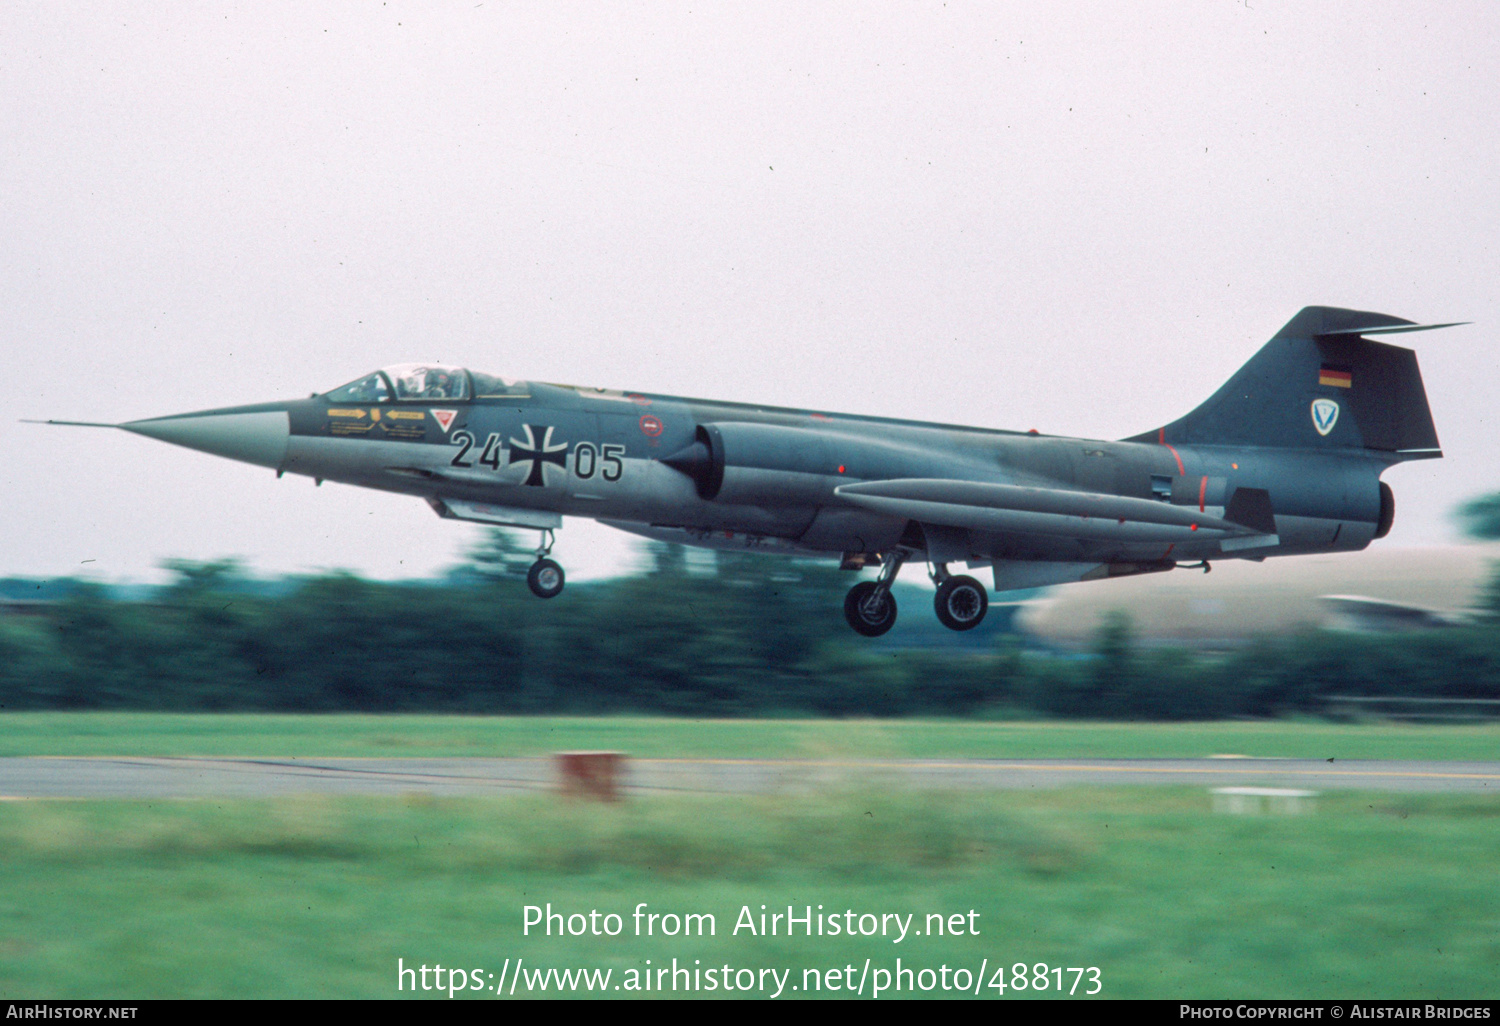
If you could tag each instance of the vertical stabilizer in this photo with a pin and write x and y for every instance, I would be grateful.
(1320, 384)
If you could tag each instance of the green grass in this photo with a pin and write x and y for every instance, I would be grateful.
(166, 734)
(1371, 896)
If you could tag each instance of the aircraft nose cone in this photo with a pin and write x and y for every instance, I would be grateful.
(255, 437)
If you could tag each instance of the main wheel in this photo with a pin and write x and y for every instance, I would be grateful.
(870, 622)
(545, 578)
(960, 603)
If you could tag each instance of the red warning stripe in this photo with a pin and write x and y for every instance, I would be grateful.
(1178, 458)
(1202, 491)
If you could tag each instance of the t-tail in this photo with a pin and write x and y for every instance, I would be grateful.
(1320, 384)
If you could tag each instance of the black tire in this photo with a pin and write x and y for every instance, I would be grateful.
(961, 603)
(871, 626)
(545, 579)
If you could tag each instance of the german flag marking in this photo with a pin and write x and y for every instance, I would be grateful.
(1338, 377)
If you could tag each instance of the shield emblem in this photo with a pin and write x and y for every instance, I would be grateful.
(1325, 414)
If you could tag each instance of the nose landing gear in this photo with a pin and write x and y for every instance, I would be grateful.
(545, 578)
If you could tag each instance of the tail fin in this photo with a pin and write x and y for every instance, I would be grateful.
(1319, 384)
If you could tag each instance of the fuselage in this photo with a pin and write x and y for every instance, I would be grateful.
(1285, 458)
(538, 451)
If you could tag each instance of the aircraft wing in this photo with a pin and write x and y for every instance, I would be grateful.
(984, 506)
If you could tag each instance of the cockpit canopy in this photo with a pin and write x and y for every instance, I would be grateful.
(425, 381)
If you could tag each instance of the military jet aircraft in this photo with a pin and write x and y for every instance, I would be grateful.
(1284, 459)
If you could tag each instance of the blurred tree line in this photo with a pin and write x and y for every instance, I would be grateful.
(744, 635)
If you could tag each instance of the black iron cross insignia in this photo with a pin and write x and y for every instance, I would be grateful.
(538, 456)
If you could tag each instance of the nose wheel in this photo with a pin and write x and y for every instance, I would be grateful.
(960, 602)
(546, 577)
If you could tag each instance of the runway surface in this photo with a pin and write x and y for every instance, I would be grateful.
(146, 778)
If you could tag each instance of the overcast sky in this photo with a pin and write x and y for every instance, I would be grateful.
(1078, 218)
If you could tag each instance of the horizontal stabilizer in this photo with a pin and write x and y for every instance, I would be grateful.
(1395, 329)
(1019, 509)
(1332, 321)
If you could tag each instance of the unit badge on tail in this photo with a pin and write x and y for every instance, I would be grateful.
(1325, 414)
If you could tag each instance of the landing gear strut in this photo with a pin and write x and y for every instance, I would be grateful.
(960, 601)
(545, 578)
(869, 607)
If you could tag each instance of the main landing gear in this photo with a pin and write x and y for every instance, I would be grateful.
(960, 602)
(545, 578)
(869, 607)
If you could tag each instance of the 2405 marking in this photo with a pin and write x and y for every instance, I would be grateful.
(588, 459)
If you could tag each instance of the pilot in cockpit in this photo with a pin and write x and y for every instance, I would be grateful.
(440, 385)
